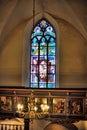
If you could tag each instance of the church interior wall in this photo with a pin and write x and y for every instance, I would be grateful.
(71, 18)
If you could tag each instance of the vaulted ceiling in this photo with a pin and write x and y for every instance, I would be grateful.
(15, 12)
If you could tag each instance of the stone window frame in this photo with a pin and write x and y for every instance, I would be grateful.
(26, 48)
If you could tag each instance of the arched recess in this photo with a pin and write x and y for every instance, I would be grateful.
(26, 48)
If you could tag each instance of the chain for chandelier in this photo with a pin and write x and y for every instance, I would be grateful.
(33, 13)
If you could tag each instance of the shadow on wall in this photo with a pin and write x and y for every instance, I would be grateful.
(55, 126)
(47, 125)
(82, 125)
(38, 124)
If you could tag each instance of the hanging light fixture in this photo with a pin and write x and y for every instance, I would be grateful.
(38, 107)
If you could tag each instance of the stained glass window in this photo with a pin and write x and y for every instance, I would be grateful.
(43, 53)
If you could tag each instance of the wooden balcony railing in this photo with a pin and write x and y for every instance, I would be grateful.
(11, 127)
(68, 103)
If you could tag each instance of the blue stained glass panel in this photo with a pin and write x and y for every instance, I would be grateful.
(51, 60)
(43, 42)
(34, 42)
(47, 37)
(33, 35)
(42, 85)
(51, 69)
(34, 60)
(52, 42)
(37, 29)
(34, 69)
(34, 51)
(43, 50)
(43, 58)
(33, 85)
(38, 33)
(51, 78)
(39, 37)
(34, 77)
(49, 29)
(51, 50)
(50, 33)
(51, 85)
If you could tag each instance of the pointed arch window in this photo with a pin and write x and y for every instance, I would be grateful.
(43, 54)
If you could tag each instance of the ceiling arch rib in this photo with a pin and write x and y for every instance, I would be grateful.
(61, 9)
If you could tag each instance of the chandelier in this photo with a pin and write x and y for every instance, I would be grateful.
(37, 107)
